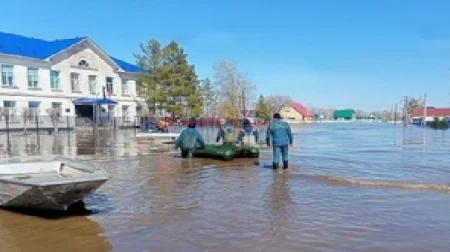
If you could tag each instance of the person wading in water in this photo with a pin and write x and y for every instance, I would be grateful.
(189, 140)
(280, 133)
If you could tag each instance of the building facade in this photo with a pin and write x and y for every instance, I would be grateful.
(428, 114)
(344, 114)
(39, 75)
(296, 113)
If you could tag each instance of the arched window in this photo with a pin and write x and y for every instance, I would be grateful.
(83, 63)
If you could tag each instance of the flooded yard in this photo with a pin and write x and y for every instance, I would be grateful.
(350, 187)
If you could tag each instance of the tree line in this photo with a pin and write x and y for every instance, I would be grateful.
(170, 85)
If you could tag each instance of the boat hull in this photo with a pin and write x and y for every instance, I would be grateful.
(48, 185)
(226, 152)
(49, 197)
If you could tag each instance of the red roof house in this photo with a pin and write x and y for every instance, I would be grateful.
(431, 112)
(296, 112)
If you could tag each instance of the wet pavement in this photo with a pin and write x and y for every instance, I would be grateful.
(350, 187)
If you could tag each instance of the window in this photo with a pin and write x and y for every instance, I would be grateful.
(58, 107)
(74, 81)
(138, 110)
(54, 80)
(33, 110)
(124, 88)
(10, 110)
(109, 86)
(33, 78)
(125, 113)
(7, 75)
(83, 63)
(92, 84)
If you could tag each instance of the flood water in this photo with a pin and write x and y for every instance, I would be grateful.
(350, 187)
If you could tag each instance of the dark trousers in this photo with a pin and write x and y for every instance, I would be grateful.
(280, 150)
(187, 153)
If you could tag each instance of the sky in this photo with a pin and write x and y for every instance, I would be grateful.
(333, 54)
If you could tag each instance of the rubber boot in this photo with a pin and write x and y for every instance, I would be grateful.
(275, 166)
(285, 164)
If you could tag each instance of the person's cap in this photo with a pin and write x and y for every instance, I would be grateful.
(277, 115)
(246, 121)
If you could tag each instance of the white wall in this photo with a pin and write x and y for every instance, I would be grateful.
(21, 94)
(428, 118)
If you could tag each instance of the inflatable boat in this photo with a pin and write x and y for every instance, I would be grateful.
(223, 152)
(226, 152)
(242, 152)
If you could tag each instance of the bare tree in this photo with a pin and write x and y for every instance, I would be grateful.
(54, 114)
(323, 113)
(235, 89)
(209, 96)
(25, 119)
(408, 107)
(276, 102)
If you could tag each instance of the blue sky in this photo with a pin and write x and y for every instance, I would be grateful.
(346, 53)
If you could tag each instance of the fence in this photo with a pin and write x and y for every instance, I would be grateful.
(23, 135)
(34, 122)
(200, 122)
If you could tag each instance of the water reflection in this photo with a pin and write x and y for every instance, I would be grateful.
(351, 187)
(83, 142)
(57, 146)
(278, 202)
(19, 232)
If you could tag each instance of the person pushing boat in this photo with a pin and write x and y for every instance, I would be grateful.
(225, 132)
(279, 135)
(189, 140)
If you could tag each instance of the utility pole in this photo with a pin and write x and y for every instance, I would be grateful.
(243, 102)
(424, 120)
(405, 111)
(395, 113)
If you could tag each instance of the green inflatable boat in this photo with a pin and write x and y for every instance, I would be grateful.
(223, 152)
(242, 152)
(226, 152)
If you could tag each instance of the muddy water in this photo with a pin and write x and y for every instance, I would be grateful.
(351, 187)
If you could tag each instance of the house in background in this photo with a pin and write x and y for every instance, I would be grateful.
(418, 114)
(38, 75)
(296, 113)
(344, 114)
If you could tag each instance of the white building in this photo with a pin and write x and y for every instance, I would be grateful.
(39, 75)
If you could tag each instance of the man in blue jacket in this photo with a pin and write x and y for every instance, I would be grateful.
(248, 136)
(189, 140)
(225, 132)
(281, 135)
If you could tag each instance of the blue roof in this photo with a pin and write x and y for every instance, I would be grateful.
(127, 67)
(18, 45)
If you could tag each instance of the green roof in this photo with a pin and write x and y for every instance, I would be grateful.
(343, 113)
